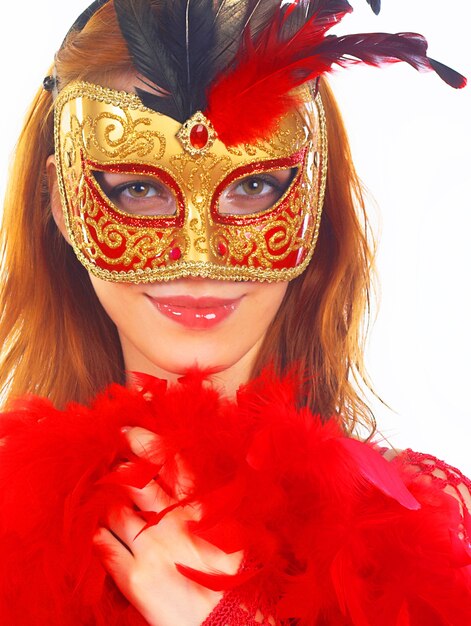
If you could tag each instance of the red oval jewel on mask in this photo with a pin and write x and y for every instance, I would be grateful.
(222, 249)
(175, 254)
(199, 136)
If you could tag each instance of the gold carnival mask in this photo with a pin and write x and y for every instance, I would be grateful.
(149, 199)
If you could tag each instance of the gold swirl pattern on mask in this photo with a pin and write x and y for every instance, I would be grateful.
(115, 136)
(198, 177)
(121, 137)
(144, 254)
(283, 142)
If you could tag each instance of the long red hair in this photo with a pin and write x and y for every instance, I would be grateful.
(58, 342)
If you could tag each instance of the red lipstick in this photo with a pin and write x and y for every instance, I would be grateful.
(196, 313)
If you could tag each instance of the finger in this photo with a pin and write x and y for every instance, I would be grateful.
(148, 494)
(186, 479)
(145, 443)
(152, 497)
(175, 477)
(126, 525)
(111, 551)
(134, 473)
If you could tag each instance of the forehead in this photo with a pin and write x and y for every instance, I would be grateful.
(110, 126)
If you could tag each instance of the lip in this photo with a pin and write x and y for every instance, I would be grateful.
(196, 313)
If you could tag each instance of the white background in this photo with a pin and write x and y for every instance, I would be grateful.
(410, 138)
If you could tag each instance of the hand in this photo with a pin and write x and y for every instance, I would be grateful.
(143, 565)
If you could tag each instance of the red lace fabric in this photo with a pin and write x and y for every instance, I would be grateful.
(243, 606)
(447, 478)
(239, 608)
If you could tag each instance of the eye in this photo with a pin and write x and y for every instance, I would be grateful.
(139, 190)
(137, 195)
(253, 186)
(255, 193)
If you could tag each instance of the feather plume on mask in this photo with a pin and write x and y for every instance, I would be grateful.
(243, 59)
(290, 51)
(178, 47)
(161, 64)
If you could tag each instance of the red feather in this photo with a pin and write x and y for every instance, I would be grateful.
(245, 102)
(380, 473)
(332, 531)
(216, 581)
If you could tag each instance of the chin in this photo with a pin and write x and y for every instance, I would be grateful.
(178, 361)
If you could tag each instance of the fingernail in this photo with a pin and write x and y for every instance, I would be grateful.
(125, 429)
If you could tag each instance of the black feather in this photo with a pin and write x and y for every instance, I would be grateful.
(379, 48)
(327, 13)
(375, 5)
(259, 14)
(187, 30)
(151, 58)
(230, 18)
(450, 76)
(172, 45)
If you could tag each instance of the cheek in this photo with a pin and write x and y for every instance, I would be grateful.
(247, 329)
(117, 300)
(262, 306)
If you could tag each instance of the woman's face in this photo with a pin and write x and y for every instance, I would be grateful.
(166, 328)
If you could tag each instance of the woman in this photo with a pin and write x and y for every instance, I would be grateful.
(194, 201)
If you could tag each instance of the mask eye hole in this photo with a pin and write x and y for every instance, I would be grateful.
(255, 193)
(137, 194)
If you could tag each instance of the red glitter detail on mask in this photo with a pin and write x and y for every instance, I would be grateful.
(295, 160)
(199, 136)
(175, 254)
(137, 221)
(222, 249)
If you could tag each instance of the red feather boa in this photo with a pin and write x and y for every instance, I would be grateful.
(340, 536)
